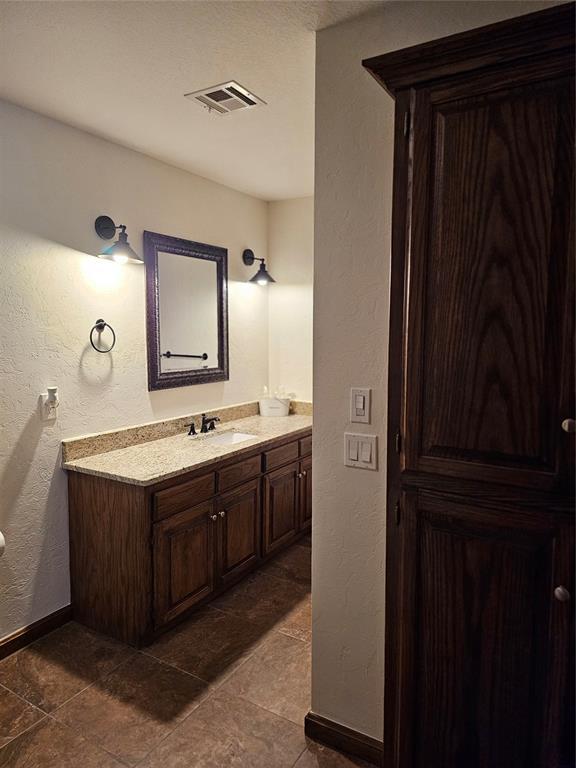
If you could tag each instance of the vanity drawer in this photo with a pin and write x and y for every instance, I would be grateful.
(306, 446)
(279, 456)
(183, 496)
(238, 473)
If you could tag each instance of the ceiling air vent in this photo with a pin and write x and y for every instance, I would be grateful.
(225, 98)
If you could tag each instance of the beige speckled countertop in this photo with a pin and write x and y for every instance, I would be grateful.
(151, 462)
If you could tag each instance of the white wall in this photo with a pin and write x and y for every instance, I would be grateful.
(291, 264)
(54, 181)
(354, 121)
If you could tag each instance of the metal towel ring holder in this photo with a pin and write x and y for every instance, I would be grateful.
(99, 326)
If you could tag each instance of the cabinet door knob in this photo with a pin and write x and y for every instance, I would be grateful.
(299, 475)
(304, 473)
(214, 517)
(569, 425)
(222, 513)
(561, 594)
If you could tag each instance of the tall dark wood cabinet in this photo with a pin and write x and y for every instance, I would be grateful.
(480, 542)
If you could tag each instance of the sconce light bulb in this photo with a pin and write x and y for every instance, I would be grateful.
(120, 258)
(262, 282)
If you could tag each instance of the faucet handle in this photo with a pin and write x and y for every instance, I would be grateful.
(192, 430)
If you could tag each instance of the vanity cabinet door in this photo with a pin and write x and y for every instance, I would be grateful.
(239, 528)
(184, 547)
(281, 504)
(305, 516)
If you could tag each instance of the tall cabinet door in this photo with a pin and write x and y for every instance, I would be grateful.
(488, 640)
(489, 316)
(183, 561)
(480, 502)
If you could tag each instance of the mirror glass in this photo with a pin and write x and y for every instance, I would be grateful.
(186, 290)
(188, 296)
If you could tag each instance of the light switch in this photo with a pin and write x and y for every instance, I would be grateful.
(360, 450)
(360, 405)
(353, 450)
(366, 452)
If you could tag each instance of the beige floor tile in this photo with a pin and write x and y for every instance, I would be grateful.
(294, 564)
(318, 756)
(132, 709)
(227, 732)
(51, 745)
(262, 598)
(16, 715)
(276, 677)
(298, 623)
(59, 665)
(210, 644)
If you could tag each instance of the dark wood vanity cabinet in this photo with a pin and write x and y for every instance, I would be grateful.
(142, 557)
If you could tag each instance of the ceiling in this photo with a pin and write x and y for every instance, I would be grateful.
(120, 70)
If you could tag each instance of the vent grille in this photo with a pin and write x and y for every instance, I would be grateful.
(226, 97)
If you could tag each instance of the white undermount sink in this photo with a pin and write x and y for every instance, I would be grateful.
(228, 438)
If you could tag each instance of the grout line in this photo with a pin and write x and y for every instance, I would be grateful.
(172, 665)
(270, 712)
(19, 696)
(90, 685)
(88, 739)
(25, 730)
(295, 763)
(213, 686)
(285, 580)
(100, 746)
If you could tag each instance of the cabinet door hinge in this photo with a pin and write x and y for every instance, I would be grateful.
(398, 441)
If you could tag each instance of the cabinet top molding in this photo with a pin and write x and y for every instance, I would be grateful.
(532, 35)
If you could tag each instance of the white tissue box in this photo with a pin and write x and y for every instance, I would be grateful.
(274, 406)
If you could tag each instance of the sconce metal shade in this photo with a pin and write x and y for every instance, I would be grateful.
(121, 251)
(262, 277)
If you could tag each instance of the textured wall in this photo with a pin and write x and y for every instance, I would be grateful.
(354, 121)
(54, 181)
(291, 249)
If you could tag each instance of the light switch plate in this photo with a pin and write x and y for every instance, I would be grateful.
(360, 451)
(360, 398)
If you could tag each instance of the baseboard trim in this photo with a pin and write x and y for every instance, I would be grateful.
(31, 632)
(343, 739)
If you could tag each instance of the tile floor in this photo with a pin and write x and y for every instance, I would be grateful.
(229, 688)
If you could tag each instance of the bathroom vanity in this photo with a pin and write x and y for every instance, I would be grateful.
(161, 527)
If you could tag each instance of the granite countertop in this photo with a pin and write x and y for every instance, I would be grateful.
(151, 462)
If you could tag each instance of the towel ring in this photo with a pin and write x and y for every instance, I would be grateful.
(99, 326)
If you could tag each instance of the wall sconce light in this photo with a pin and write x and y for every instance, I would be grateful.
(261, 277)
(121, 251)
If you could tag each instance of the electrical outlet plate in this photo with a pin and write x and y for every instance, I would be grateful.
(360, 451)
(48, 407)
(360, 398)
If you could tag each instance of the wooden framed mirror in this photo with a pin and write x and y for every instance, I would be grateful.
(186, 311)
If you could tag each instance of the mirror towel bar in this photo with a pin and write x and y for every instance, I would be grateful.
(203, 356)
